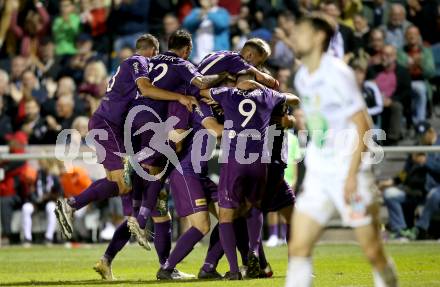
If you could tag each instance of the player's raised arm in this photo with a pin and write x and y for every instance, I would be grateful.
(205, 82)
(213, 126)
(265, 79)
(249, 85)
(148, 90)
(291, 99)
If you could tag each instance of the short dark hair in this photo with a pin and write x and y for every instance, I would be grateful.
(147, 41)
(337, 3)
(323, 23)
(179, 39)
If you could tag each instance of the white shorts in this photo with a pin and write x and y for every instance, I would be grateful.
(324, 194)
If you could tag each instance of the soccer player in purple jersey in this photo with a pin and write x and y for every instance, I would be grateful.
(242, 176)
(130, 81)
(253, 54)
(170, 71)
(191, 188)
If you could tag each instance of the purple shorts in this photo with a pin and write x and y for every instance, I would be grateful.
(191, 193)
(112, 146)
(241, 182)
(278, 193)
(141, 141)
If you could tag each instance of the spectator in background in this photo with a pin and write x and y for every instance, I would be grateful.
(305, 7)
(417, 183)
(268, 11)
(94, 15)
(15, 185)
(46, 65)
(43, 194)
(375, 46)
(241, 29)
(209, 25)
(281, 44)
(32, 89)
(81, 124)
(83, 56)
(370, 91)
(396, 26)
(342, 43)
(34, 28)
(65, 29)
(420, 62)
(170, 25)
(5, 120)
(394, 82)
(378, 14)
(35, 126)
(284, 77)
(94, 85)
(425, 15)
(18, 65)
(6, 10)
(349, 9)
(65, 114)
(124, 53)
(361, 33)
(128, 20)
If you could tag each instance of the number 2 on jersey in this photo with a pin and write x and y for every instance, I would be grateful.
(249, 113)
(112, 81)
(164, 71)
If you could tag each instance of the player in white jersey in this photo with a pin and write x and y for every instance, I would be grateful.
(336, 178)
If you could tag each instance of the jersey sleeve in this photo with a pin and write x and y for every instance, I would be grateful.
(220, 94)
(276, 98)
(178, 110)
(203, 112)
(188, 71)
(138, 69)
(237, 64)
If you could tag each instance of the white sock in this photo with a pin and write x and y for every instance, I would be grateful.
(51, 220)
(386, 277)
(299, 272)
(26, 213)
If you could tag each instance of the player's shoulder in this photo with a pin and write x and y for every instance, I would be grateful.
(336, 67)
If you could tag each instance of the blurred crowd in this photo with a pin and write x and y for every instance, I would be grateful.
(56, 58)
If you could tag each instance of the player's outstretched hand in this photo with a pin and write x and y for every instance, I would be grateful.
(210, 102)
(189, 102)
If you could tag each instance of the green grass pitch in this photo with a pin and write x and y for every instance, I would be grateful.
(335, 265)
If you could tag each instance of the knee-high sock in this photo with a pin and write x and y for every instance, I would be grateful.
(227, 237)
(183, 247)
(283, 231)
(287, 232)
(273, 230)
(240, 228)
(51, 220)
(299, 272)
(254, 225)
(262, 256)
(120, 238)
(386, 277)
(97, 191)
(149, 200)
(215, 251)
(162, 240)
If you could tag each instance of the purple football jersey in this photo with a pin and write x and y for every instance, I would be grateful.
(169, 72)
(192, 120)
(248, 110)
(122, 89)
(223, 61)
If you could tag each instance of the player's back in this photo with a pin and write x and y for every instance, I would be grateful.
(248, 110)
(122, 89)
(169, 72)
(223, 61)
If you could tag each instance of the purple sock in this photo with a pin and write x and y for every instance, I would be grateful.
(120, 238)
(283, 231)
(215, 251)
(142, 217)
(254, 226)
(183, 247)
(262, 256)
(240, 229)
(97, 191)
(162, 240)
(153, 190)
(227, 237)
(273, 230)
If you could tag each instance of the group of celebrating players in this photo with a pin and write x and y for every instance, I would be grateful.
(170, 111)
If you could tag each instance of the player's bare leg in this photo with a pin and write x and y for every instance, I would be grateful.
(305, 231)
(101, 189)
(369, 238)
